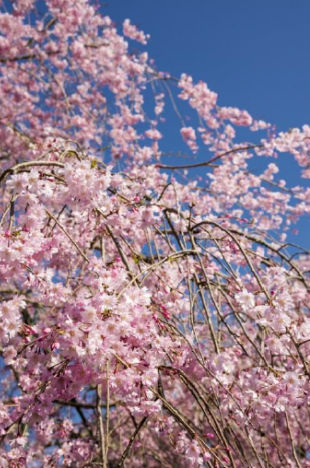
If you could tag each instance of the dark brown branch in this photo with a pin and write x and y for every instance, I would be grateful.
(130, 443)
(16, 59)
(17, 167)
(212, 160)
(77, 404)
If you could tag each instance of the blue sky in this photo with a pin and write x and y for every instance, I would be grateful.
(254, 54)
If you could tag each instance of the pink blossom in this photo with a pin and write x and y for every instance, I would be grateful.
(138, 300)
(132, 32)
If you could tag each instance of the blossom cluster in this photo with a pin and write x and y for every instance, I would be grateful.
(144, 320)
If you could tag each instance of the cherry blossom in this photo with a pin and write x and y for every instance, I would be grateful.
(151, 314)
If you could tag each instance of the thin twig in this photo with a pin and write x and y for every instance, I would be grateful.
(17, 167)
(130, 443)
(101, 429)
(210, 161)
(107, 411)
(68, 235)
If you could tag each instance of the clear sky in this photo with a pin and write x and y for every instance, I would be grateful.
(254, 53)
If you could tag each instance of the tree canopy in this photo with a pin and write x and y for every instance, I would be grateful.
(152, 314)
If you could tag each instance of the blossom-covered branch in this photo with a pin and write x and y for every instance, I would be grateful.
(147, 317)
